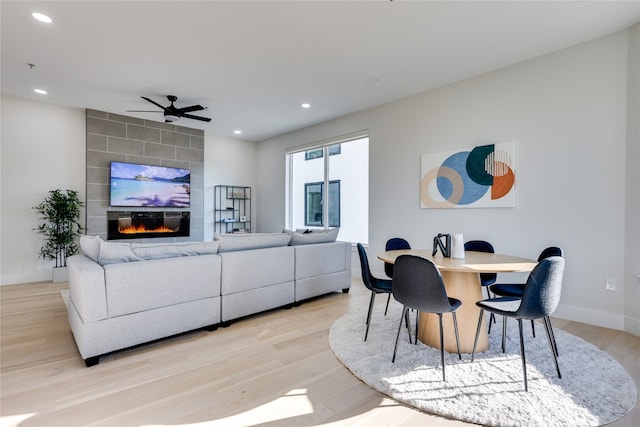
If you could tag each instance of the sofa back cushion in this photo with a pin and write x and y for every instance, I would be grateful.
(120, 252)
(116, 253)
(247, 241)
(172, 250)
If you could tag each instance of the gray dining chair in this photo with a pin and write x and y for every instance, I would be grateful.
(517, 289)
(540, 299)
(374, 284)
(418, 284)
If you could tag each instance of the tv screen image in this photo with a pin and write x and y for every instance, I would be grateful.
(145, 185)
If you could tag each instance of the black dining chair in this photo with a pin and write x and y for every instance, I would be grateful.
(486, 279)
(539, 300)
(393, 244)
(374, 284)
(517, 289)
(418, 284)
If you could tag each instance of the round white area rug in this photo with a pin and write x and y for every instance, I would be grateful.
(594, 388)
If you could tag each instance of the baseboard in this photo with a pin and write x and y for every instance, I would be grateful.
(14, 279)
(592, 317)
(632, 325)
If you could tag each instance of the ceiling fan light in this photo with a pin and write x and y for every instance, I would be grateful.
(171, 118)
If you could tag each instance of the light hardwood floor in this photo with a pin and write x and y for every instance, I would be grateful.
(273, 369)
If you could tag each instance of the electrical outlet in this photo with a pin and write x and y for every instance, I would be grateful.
(610, 284)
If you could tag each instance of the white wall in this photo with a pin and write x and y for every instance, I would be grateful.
(227, 161)
(43, 148)
(568, 113)
(632, 246)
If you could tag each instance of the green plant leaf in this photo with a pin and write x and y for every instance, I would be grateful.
(58, 214)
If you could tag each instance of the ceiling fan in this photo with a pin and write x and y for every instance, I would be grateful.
(172, 113)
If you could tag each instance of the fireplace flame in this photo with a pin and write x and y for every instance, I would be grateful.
(141, 229)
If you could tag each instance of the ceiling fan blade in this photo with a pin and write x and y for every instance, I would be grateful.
(189, 109)
(189, 116)
(153, 102)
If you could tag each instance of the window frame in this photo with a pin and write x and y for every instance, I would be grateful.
(294, 216)
(318, 153)
(334, 204)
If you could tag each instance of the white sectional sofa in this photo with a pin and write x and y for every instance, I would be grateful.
(122, 294)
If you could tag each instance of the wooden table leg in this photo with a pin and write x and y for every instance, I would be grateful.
(465, 287)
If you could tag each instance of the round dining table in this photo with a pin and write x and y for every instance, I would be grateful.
(462, 281)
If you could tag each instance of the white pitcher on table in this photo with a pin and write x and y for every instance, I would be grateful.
(457, 243)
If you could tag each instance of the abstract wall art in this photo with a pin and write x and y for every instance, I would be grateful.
(481, 177)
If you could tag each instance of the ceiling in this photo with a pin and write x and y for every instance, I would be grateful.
(253, 64)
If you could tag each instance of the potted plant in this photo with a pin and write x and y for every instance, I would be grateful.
(59, 214)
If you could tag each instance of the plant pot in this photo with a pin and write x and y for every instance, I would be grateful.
(60, 274)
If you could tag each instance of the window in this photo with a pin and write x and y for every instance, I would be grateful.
(317, 153)
(333, 190)
(313, 204)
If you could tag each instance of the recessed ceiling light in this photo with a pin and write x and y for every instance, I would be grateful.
(42, 17)
(372, 80)
(237, 131)
(305, 105)
(40, 91)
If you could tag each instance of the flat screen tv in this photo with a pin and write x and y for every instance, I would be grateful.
(145, 185)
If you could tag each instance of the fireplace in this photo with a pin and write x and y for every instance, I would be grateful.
(145, 225)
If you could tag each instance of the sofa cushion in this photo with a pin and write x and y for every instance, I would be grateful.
(314, 236)
(171, 250)
(90, 246)
(113, 253)
(247, 241)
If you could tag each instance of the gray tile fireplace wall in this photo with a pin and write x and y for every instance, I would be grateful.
(113, 137)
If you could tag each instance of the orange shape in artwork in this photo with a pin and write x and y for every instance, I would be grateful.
(502, 184)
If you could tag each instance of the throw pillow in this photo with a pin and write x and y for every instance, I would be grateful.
(90, 246)
(315, 236)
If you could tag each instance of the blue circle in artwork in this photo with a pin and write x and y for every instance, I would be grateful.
(445, 187)
(471, 191)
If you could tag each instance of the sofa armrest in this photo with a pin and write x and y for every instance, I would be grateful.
(87, 290)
